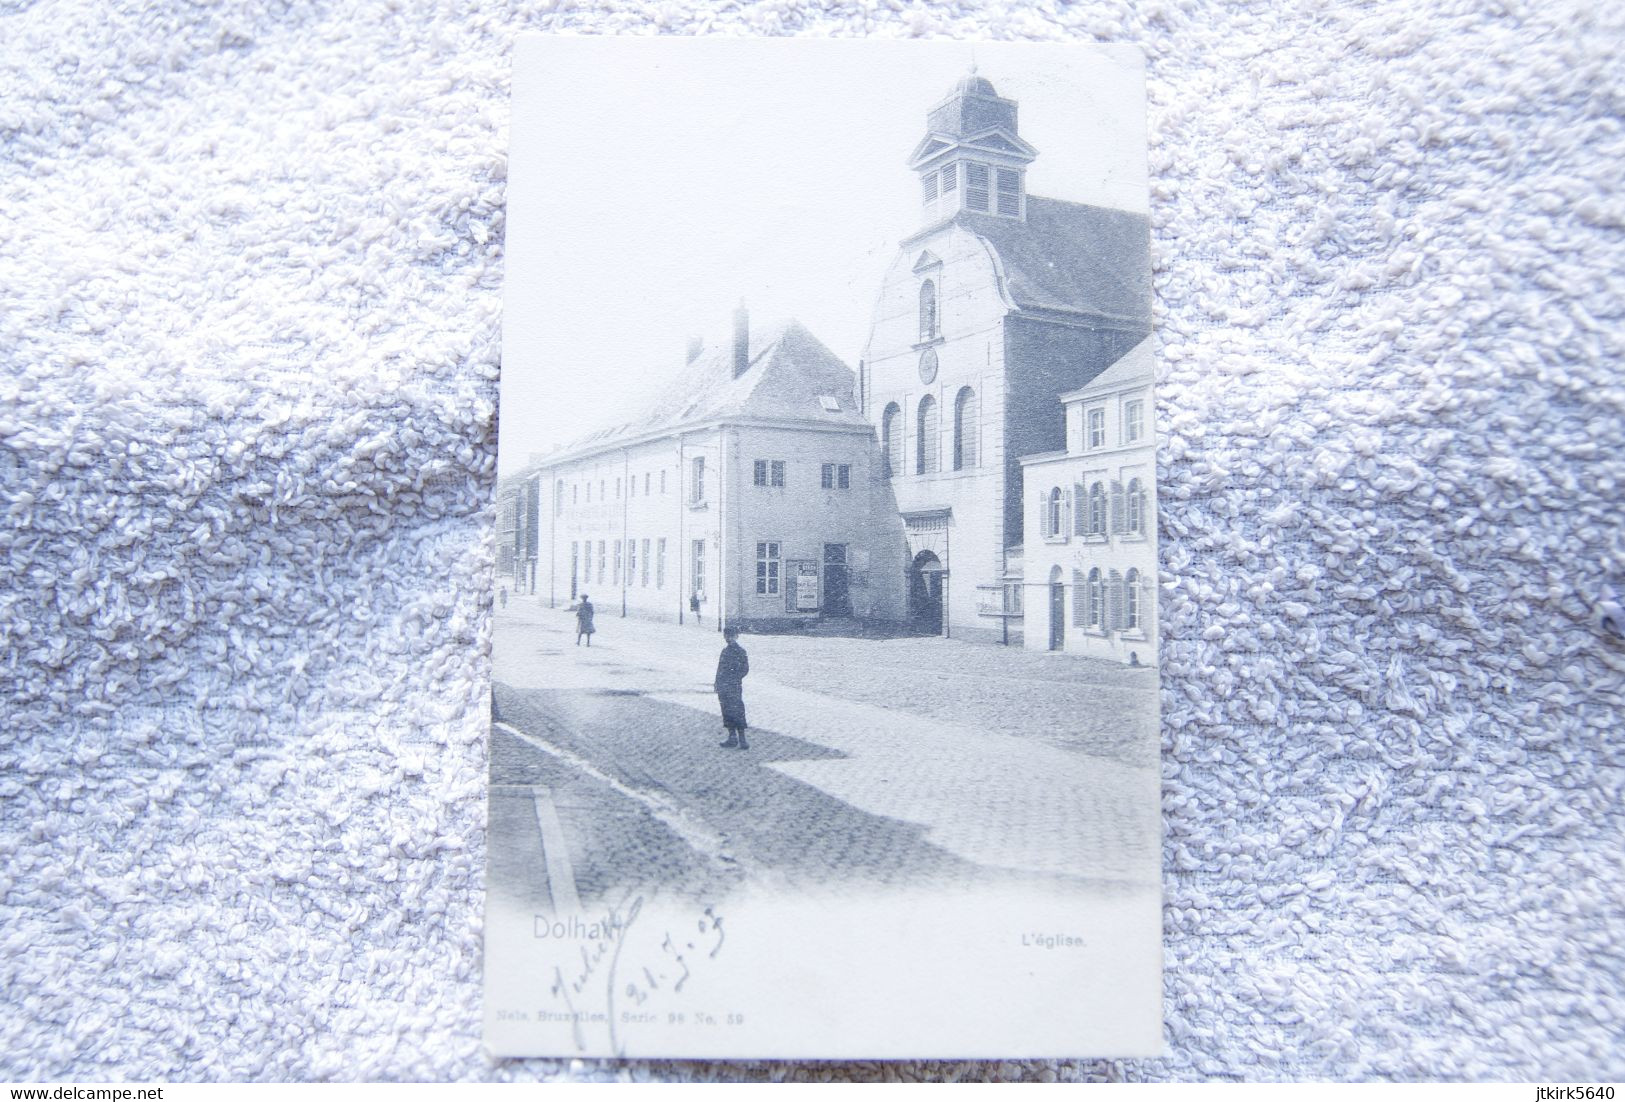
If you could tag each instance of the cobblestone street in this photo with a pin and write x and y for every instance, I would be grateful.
(883, 763)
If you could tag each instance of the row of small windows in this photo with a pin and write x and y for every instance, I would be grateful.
(1004, 196)
(928, 435)
(1094, 432)
(1089, 511)
(1109, 602)
(582, 562)
(831, 476)
(630, 485)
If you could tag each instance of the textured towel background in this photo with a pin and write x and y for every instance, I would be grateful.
(249, 307)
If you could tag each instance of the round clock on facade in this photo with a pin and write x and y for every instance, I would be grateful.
(928, 366)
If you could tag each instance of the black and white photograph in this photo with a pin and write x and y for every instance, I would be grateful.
(824, 719)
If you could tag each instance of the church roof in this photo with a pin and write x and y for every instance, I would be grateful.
(791, 373)
(1072, 257)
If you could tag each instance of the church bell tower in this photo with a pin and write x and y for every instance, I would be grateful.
(972, 157)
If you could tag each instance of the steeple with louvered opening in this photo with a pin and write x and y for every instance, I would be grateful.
(972, 157)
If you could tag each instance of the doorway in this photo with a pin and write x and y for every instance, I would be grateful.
(925, 593)
(837, 581)
(1057, 611)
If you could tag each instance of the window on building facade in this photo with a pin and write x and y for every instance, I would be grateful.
(1097, 602)
(1133, 420)
(928, 310)
(573, 489)
(777, 473)
(843, 476)
(1009, 192)
(660, 563)
(767, 568)
(826, 476)
(696, 486)
(927, 437)
(965, 429)
(662, 480)
(1131, 600)
(603, 559)
(1096, 437)
(602, 494)
(575, 567)
(696, 560)
(646, 483)
(759, 472)
(1097, 509)
(976, 189)
(617, 489)
(617, 574)
(1052, 514)
(1135, 523)
(589, 493)
(631, 562)
(643, 578)
(891, 440)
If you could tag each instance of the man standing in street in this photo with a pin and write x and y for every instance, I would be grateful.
(732, 666)
(584, 621)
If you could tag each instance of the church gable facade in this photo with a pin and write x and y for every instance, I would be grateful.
(1001, 303)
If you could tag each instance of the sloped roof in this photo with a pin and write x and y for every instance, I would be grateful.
(1072, 257)
(790, 373)
(1133, 366)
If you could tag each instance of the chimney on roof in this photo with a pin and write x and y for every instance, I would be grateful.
(694, 346)
(741, 339)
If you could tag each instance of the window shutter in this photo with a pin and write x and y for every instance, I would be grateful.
(1148, 600)
(1043, 512)
(1114, 601)
(1144, 517)
(1080, 600)
(1082, 514)
(789, 592)
(1066, 514)
(1119, 519)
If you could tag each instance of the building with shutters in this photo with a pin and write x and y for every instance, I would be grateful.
(997, 305)
(750, 494)
(1091, 561)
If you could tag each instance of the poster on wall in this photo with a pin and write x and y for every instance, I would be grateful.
(843, 320)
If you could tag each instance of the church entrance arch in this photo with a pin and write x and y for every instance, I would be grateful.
(925, 577)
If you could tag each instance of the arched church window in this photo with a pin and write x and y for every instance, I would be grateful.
(891, 439)
(928, 310)
(925, 458)
(965, 429)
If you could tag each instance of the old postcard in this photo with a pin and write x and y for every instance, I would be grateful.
(825, 709)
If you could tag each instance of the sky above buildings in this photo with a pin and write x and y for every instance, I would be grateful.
(654, 183)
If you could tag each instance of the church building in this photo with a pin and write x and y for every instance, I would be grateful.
(996, 306)
(749, 494)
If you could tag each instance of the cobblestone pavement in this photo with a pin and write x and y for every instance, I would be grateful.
(851, 778)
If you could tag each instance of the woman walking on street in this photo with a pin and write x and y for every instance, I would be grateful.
(732, 666)
(584, 621)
